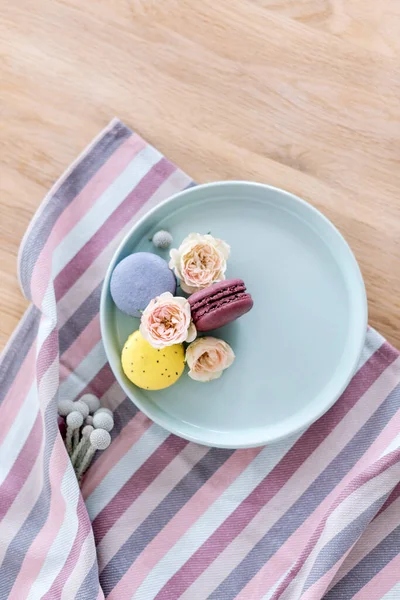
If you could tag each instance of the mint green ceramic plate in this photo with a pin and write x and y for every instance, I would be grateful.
(299, 346)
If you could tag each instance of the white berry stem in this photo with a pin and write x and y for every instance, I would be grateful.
(79, 451)
(75, 440)
(68, 439)
(86, 460)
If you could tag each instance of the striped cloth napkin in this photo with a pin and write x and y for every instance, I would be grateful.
(314, 516)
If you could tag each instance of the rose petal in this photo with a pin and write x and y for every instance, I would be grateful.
(192, 333)
(204, 376)
(199, 261)
(166, 321)
(208, 357)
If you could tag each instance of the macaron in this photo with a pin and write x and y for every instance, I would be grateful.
(139, 278)
(219, 304)
(151, 368)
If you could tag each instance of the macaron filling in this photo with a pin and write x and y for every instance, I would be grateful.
(209, 306)
(219, 298)
(219, 294)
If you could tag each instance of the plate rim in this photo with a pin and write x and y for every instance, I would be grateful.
(176, 430)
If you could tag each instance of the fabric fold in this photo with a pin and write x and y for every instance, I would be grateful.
(314, 516)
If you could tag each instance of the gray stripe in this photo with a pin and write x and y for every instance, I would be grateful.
(18, 350)
(19, 546)
(334, 550)
(90, 586)
(82, 317)
(158, 519)
(73, 185)
(367, 568)
(309, 501)
(122, 415)
(79, 320)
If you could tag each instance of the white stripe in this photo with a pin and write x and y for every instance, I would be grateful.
(88, 282)
(14, 334)
(376, 532)
(87, 557)
(144, 505)
(42, 333)
(62, 544)
(373, 342)
(394, 445)
(48, 309)
(124, 469)
(229, 558)
(393, 594)
(273, 589)
(106, 204)
(359, 501)
(48, 385)
(32, 486)
(212, 519)
(94, 274)
(344, 514)
(19, 510)
(308, 471)
(49, 196)
(113, 397)
(19, 432)
(76, 382)
(47, 323)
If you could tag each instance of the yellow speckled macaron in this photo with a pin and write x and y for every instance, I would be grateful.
(150, 368)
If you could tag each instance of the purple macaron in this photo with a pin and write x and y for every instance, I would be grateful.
(139, 278)
(220, 304)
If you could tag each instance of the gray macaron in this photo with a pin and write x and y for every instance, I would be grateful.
(139, 278)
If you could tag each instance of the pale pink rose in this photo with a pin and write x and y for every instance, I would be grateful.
(208, 357)
(167, 321)
(199, 261)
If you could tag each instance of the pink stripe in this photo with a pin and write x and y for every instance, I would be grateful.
(84, 529)
(25, 461)
(359, 480)
(183, 520)
(320, 587)
(127, 438)
(79, 206)
(17, 393)
(113, 397)
(94, 275)
(21, 385)
(40, 546)
(146, 503)
(392, 498)
(48, 353)
(139, 481)
(279, 476)
(382, 582)
(68, 219)
(100, 383)
(124, 212)
(80, 348)
(379, 528)
(21, 468)
(21, 507)
(100, 595)
(280, 562)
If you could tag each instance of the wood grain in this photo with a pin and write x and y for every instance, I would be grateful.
(301, 94)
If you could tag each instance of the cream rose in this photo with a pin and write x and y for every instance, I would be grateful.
(167, 321)
(199, 261)
(208, 357)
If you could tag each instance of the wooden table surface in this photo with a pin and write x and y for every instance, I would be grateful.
(301, 94)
